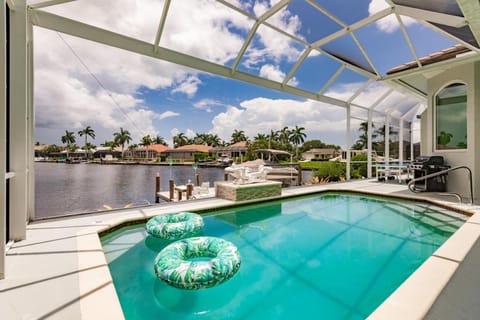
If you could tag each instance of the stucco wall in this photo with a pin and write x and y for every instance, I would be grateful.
(458, 180)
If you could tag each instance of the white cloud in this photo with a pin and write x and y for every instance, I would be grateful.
(388, 24)
(261, 115)
(68, 96)
(189, 86)
(167, 114)
(274, 73)
(207, 104)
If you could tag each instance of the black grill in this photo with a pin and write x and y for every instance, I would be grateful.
(425, 165)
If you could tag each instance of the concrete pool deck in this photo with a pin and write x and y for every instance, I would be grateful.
(60, 271)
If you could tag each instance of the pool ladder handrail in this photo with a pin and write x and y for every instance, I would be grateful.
(439, 173)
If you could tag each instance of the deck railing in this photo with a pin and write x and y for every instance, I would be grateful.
(439, 173)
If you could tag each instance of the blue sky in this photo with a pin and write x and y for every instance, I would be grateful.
(148, 96)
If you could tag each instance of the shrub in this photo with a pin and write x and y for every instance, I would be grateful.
(334, 171)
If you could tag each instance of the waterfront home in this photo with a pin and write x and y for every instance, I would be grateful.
(187, 153)
(234, 151)
(318, 154)
(152, 151)
(107, 153)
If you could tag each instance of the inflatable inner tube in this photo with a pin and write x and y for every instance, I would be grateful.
(197, 263)
(175, 225)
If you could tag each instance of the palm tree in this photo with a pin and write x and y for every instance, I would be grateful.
(362, 141)
(214, 140)
(272, 137)
(88, 131)
(238, 135)
(159, 140)
(121, 138)
(260, 137)
(180, 140)
(111, 144)
(68, 139)
(146, 141)
(297, 136)
(284, 135)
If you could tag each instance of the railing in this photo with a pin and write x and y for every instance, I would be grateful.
(435, 174)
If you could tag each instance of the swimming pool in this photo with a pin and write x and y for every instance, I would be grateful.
(337, 256)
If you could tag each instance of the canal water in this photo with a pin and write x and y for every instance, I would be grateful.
(62, 189)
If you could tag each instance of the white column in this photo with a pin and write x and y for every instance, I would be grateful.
(30, 125)
(400, 143)
(369, 145)
(18, 121)
(387, 139)
(347, 142)
(3, 138)
(411, 141)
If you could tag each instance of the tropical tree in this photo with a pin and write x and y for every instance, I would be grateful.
(238, 135)
(68, 139)
(87, 132)
(121, 138)
(180, 139)
(284, 135)
(214, 140)
(159, 140)
(297, 136)
(110, 144)
(146, 141)
(260, 137)
(362, 141)
(89, 146)
(273, 136)
(132, 148)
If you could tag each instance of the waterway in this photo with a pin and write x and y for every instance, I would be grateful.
(62, 189)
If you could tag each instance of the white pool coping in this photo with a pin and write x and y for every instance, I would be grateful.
(60, 271)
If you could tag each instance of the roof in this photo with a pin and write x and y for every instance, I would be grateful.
(192, 148)
(159, 148)
(239, 146)
(446, 54)
(322, 151)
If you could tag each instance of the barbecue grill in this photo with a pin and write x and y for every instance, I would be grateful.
(425, 165)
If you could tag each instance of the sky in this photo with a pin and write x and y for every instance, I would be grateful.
(79, 83)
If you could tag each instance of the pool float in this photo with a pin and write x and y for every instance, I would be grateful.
(197, 263)
(175, 225)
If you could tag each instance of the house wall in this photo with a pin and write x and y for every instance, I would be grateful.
(470, 157)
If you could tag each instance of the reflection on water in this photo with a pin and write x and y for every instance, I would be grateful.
(74, 188)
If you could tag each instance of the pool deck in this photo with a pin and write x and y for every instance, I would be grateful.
(60, 271)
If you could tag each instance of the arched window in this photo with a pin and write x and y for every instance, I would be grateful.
(451, 117)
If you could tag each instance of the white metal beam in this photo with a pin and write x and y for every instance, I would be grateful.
(357, 25)
(84, 31)
(369, 144)
(245, 45)
(379, 100)
(360, 90)
(297, 65)
(277, 7)
(348, 141)
(431, 16)
(3, 138)
(18, 144)
(449, 35)
(49, 3)
(471, 11)
(326, 12)
(407, 38)
(365, 54)
(332, 79)
(161, 24)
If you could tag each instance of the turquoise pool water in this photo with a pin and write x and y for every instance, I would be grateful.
(331, 256)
